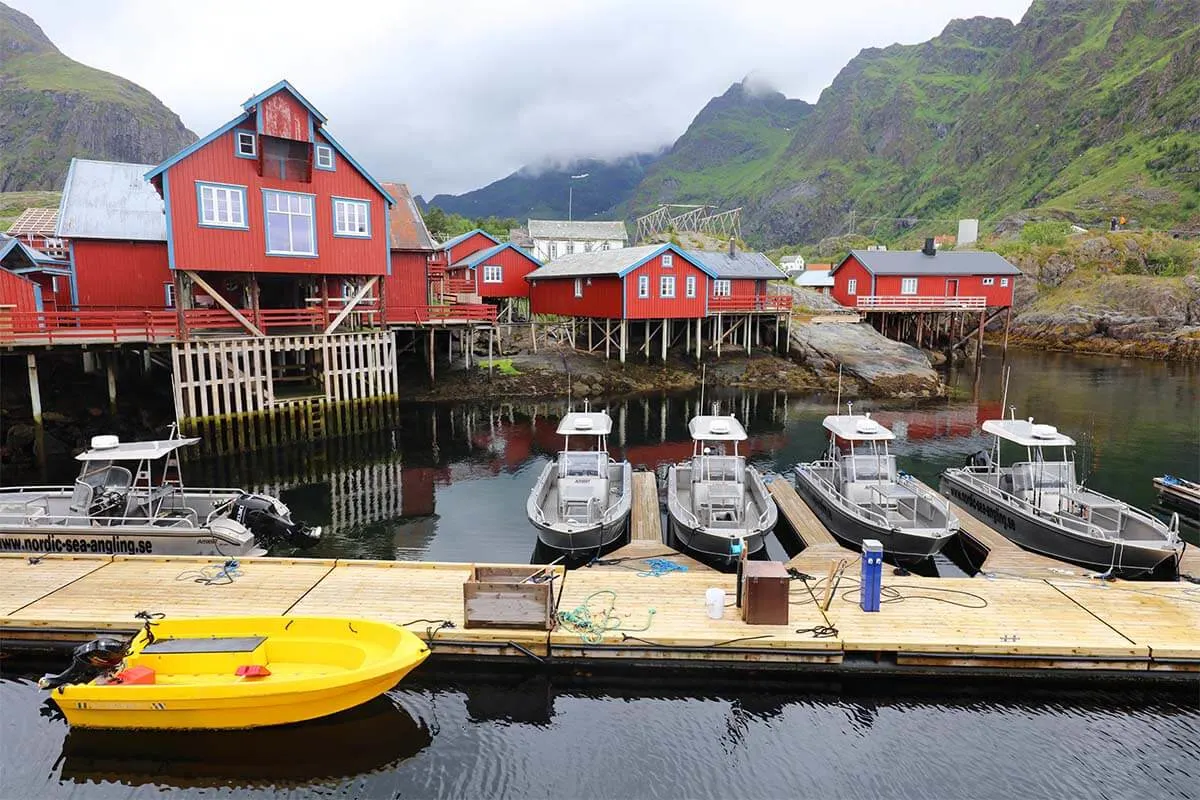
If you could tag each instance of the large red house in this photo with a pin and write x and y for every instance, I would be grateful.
(271, 212)
(925, 279)
(649, 282)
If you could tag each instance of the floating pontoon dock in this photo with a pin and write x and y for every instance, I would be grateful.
(1007, 622)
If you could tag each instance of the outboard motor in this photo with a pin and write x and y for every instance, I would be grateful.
(88, 661)
(271, 521)
(980, 458)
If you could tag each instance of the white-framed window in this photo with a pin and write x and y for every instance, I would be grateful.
(290, 223)
(579, 287)
(989, 281)
(1004, 281)
(352, 217)
(690, 286)
(245, 144)
(908, 286)
(722, 288)
(852, 286)
(493, 273)
(324, 157)
(169, 295)
(643, 286)
(668, 260)
(666, 286)
(221, 205)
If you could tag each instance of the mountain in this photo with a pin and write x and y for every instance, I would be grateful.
(726, 150)
(544, 192)
(53, 108)
(1084, 110)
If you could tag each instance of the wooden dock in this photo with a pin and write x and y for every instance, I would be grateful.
(645, 518)
(1003, 557)
(641, 613)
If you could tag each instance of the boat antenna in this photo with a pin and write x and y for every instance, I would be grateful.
(703, 376)
(838, 404)
(1004, 393)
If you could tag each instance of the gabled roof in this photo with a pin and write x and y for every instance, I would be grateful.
(285, 86)
(915, 262)
(478, 257)
(739, 265)
(110, 200)
(34, 258)
(619, 262)
(406, 226)
(590, 230)
(462, 237)
(34, 222)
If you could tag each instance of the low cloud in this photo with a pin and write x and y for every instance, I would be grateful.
(449, 96)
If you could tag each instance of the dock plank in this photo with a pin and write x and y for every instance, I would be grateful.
(1163, 616)
(1189, 565)
(112, 594)
(804, 522)
(27, 580)
(645, 523)
(1020, 618)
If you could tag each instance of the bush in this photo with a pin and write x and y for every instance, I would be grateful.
(1173, 258)
(1048, 232)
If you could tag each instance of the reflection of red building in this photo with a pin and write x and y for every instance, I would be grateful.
(418, 497)
(940, 423)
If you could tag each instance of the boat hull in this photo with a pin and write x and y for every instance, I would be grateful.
(898, 544)
(1183, 497)
(317, 668)
(714, 546)
(581, 539)
(1124, 558)
(123, 540)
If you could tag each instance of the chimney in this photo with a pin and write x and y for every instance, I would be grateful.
(732, 248)
(929, 249)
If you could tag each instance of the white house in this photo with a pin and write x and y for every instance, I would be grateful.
(792, 265)
(552, 238)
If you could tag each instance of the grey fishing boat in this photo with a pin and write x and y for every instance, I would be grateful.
(716, 501)
(858, 493)
(1039, 505)
(581, 500)
(129, 498)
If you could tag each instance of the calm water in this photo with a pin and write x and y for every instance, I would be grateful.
(450, 484)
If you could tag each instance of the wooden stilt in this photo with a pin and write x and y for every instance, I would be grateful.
(608, 340)
(624, 340)
(1007, 325)
(110, 367)
(699, 340)
(666, 334)
(491, 361)
(720, 335)
(432, 357)
(979, 343)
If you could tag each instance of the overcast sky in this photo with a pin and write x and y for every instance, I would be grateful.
(449, 95)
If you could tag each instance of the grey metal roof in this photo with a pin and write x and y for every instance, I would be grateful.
(914, 262)
(110, 200)
(597, 262)
(591, 230)
(739, 265)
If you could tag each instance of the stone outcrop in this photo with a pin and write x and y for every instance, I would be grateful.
(883, 367)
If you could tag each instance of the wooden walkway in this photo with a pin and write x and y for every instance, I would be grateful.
(649, 615)
(645, 519)
(1190, 565)
(810, 530)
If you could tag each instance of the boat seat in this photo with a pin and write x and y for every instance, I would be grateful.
(105, 479)
(214, 644)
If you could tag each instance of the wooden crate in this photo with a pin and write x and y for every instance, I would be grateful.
(765, 593)
(502, 597)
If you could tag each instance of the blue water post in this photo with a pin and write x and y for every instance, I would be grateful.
(872, 574)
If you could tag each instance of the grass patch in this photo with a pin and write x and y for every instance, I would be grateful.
(503, 365)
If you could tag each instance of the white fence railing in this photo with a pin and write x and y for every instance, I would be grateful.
(913, 301)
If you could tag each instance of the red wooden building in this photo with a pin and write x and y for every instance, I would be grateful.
(45, 283)
(408, 288)
(36, 228)
(924, 280)
(496, 272)
(741, 281)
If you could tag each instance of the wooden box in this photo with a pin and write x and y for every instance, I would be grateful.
(503, 597)
(765, 586)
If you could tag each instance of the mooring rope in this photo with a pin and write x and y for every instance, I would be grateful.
(593, 625)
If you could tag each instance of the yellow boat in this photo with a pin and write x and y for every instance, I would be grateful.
(234, 672)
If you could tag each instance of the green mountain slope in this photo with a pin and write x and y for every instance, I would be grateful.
(540, 193)
(1085, 109)
(53, 108)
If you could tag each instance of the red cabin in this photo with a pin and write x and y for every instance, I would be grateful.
(740, 281)
(498, 271)
(43, 283)
(409, 286)
(648, 282)
(924, 280)
(269, 211)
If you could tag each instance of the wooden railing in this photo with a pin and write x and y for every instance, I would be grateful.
(913, 302)
(451, 312)
(766, 303)
(460, 285)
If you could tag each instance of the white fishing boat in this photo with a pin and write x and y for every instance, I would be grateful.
(581, 501)
(130, 499)
(716, 503)
(858, 493)
(1038, 504)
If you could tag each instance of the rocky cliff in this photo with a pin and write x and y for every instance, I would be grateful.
(53, 108)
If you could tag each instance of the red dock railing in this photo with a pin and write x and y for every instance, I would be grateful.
(762, 303)
(912, 302)
(449, 313)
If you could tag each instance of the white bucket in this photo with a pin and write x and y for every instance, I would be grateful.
(715, 600)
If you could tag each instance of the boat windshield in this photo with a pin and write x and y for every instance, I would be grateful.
(720, 468)
(582, 464)
(868, 468)
(1043, 475)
